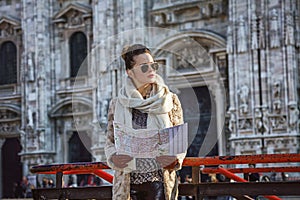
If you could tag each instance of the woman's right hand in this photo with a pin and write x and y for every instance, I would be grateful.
(121, 161)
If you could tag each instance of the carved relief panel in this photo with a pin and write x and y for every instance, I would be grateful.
(9, 123)
(9, 28)
(190, 58)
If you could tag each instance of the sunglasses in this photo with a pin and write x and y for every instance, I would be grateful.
(145, 67)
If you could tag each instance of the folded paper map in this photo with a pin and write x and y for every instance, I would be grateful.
(144, 143)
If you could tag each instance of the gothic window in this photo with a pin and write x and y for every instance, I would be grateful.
(78, 54)
(8, 63)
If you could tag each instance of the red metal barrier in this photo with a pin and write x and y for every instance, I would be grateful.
(253, 170)
(106, 176)
(241, 159)
(195, 162)
(239, 179)
(75, 168)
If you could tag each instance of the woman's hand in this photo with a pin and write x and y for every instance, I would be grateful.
(167, 162)
(121, 161)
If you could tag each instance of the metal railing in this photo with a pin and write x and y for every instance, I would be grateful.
(240, 189)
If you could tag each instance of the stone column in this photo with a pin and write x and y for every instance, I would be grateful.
(220, 118)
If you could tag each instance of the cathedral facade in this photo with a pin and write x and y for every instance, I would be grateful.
(233, 64)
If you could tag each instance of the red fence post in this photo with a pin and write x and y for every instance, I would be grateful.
(239, 179)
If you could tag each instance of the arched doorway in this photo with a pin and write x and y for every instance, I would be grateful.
(79, 146)
(198, 124)
(195, 68)
(11, 166)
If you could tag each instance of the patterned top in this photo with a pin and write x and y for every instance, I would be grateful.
(139, 121)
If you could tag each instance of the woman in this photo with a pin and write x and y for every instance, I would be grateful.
(144, 102)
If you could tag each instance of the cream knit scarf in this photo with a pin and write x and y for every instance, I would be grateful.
(157, 105)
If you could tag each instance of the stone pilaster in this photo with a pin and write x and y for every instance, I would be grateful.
(37, 75)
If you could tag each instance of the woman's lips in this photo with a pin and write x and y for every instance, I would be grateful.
(151, 75)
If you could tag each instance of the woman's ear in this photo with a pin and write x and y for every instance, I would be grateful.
(129, 73)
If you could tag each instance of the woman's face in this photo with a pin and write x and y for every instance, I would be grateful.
(140, 73)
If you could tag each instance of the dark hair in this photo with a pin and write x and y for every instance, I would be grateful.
(129, 52)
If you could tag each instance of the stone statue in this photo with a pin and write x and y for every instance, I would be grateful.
(242, 39)
(258, 119)
(261, 120)
(293, 115)
(274, 29)
(244, 95)
(265, 120)
(159, 19)
(232, 121)
(30, 66)
(30, 118)
(289, 29)
(276, 89)
(229, 40)
(7, 30)
(75, 19)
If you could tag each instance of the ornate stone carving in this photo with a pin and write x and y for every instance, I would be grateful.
(158, 19)
(274, 29)
(249, 144)
(30, 66)
(297, 31)
(262, 37)
(32, 143)
(191, 57)
(82, 121)
(7, 30)
(185, 11)
(9, 26)
(38, 159)
(182, 62)
(229, 47)
(74, 18)
(254, 39)
(41, 138)
(243, 93)
(103, 112)
(276, 94)
(30, 118)
(278, 122)
(7, 114)
(293, 115)
(245, 124)
(289, 28)
(232, 120)
(261, 120)
(241, 35)
(281, 143)
(6, 127)
(9, 122)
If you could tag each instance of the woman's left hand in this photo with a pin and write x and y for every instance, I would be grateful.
(167, 162)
